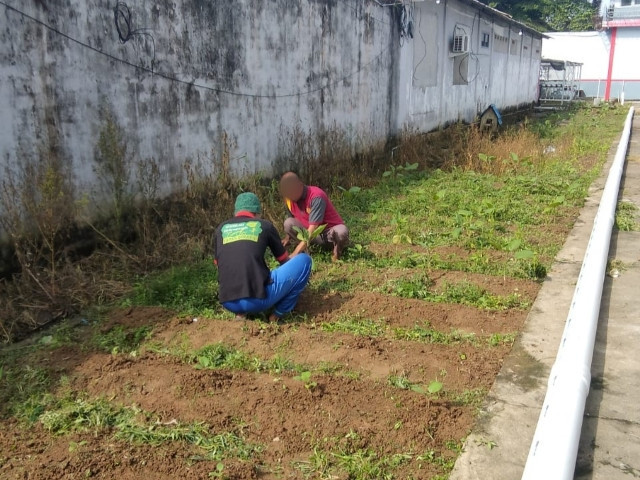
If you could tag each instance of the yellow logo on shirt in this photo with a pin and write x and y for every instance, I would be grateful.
(236, 232)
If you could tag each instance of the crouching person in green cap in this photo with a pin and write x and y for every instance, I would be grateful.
(245, 283)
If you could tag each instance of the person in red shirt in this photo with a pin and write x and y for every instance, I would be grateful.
(309, 207)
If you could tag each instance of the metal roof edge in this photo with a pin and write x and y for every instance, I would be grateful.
(504, 16)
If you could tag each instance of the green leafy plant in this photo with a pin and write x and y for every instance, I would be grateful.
(397, 171)
(122, 340)
(401, 381)
(351, 191)
(434, 387)
(218, 472)
(306, 378)
(304, 236)
(401, 238)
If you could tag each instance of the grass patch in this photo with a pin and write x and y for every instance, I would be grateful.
(473, 397)
(23, 390)
(498, 339)
(60, 335)
(496, 195)
(346, 458)
(426, 333)
(219, 355)
(463, 293)
(131, 424)
(626, 217)
(187, 289)
(122, 340)
(356, 325)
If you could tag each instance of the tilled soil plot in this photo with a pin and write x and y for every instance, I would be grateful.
(349, 411)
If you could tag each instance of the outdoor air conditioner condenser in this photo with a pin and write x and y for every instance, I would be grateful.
(460, 43)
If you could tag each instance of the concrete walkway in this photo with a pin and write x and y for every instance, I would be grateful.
(610, 447)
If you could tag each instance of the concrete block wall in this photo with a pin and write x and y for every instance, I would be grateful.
(195, 74)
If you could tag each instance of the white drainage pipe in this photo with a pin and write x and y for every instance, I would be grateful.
(555, 443)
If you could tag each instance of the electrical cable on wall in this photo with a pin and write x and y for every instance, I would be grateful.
(415, 68)
(123, 22)
(470, 55)
(191, 83)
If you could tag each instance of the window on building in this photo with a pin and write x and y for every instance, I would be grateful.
(626, 3)
(515, 47)
(485, 40)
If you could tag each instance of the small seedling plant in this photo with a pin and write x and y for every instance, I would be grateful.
(305, 377)
(303, 235)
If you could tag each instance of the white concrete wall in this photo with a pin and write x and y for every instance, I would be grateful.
(53, 92)
(253, 69)
(495, 75)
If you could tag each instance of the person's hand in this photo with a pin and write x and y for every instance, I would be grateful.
(302, 247)
(286, 241)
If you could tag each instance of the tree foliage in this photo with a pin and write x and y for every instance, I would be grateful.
(550, 15)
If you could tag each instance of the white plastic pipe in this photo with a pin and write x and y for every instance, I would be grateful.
(555, 443)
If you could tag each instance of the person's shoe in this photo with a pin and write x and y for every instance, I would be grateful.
(241, 317)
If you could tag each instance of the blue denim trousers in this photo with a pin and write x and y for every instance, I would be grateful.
(287, 283)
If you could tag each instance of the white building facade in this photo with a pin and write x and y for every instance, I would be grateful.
(610, 56)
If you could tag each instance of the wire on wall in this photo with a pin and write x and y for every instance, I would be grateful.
(415, 68)
(172, 78)
(471, 55)
(123, 23)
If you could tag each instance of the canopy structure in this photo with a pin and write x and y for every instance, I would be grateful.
(559, 81)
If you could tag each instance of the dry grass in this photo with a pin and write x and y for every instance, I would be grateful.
(69, 261)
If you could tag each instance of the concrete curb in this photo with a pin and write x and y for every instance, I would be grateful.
(497, 448)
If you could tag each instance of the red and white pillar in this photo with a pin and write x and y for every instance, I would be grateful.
(612, 52)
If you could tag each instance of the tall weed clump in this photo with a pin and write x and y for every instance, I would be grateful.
(37, 201)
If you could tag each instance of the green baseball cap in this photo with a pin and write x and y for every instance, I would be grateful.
(247, 202)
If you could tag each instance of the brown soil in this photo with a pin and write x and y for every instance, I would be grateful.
(403, 312)
(275, 411)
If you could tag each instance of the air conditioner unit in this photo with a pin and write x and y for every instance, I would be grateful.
(460, 44)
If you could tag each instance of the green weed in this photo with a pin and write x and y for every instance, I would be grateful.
(432, 457)
(306, 378)
(189, 289)
(23, 387)
(220, 355)
(498, 339)
(426, 333)
(343, 458)
(356, 325)
(122, 340)
(473, 397)
(71, 415)
(79, 415)
(463, 293)
(626, 217)
(401, 381)
(216, 446)
(62, 334)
